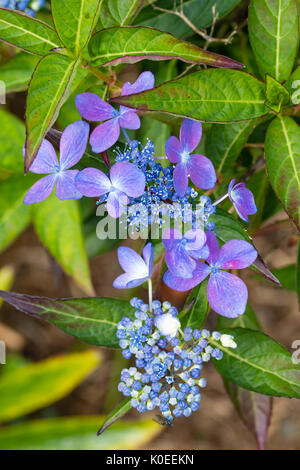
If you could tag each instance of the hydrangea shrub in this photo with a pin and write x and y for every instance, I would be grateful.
(166, 149)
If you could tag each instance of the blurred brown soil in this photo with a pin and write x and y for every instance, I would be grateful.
(216, 425)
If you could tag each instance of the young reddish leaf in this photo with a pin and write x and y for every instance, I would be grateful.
(254, 409)
(91, 319)
(130, 44)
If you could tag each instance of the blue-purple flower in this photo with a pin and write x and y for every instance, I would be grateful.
(181, 251)
(227, 294)
(73, 143)
(242, 199)
(199, 168)
(92, 108)
(138, 269)
(125, 181)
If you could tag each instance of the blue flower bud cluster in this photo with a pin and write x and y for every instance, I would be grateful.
(30, 7)
(160, 197)
(167, 372)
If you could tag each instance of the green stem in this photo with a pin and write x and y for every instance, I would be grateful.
(150, 294)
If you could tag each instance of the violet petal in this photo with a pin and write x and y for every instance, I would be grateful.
(127, 178)
(65, 188)
(116, 203)
(182, 285)
(173, 149)
(236, 254)
(180, 179)
(243, 201)
(180, 263)
(129, 120)
(105, 135)
(132, 262)
(73, 143)
(170, 238)
(148, 255)
(40, 190)
(227, 294)
(92, 108)
(202, 172)
(92, 182)
(127, 281)
(145, 81)
(190, 134)
(46, 160)
(213, 246)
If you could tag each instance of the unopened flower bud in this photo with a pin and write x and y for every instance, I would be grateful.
(228, 341)
(167, 324)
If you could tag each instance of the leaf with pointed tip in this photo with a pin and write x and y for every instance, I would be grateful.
(16, 73)
(91, 319)
(282, 153)
(224, 143)
(211, 95)
(58, 225)
(42, 383)
(286, 276)
(228, 228)
(27, 33)
(277, 95)
(74, 21)
(259, 364)
(274, 36)
(254, 409)
(130, 44)
(49, 88)
(260, 268)
(115, 415)
(118, 12)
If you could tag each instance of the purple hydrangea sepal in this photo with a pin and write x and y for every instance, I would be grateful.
(137, 268)
(73, 143)
(227, 294)
(242, 199)
(182, 250)
(199, 168)
(92, 108)
(126, 180)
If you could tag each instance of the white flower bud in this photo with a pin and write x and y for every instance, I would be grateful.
(228, 341)
(167, 324)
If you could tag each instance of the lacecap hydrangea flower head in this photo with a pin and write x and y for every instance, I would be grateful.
(168, 363)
